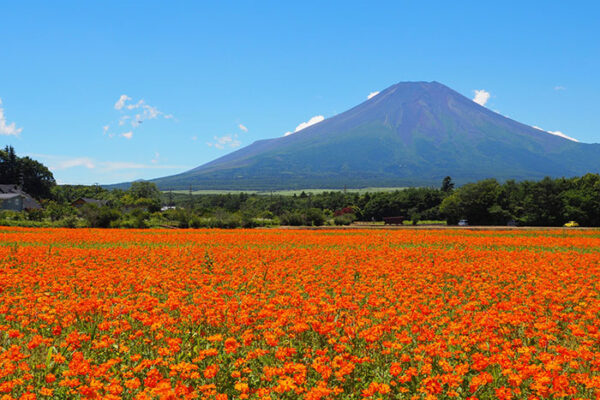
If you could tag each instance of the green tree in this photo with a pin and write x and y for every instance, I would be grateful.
(543, 205)
(36, 178)
(453, 209)
(38, 181)
(581, 201)
(447, 185)
(9, 166)
(144, 195)
(57, 211)
(477, 202)
(143, 189)
(99, 217)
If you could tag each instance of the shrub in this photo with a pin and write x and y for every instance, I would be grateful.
(292, 219)
(197, 222)
(69, 222)
(315, 216)
(99, 217)
(344, 219)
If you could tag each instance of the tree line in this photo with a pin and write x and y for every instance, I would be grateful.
(547, 202)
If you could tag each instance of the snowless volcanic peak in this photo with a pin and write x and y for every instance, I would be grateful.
(410, 134)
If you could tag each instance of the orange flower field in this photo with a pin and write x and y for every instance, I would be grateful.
(299, 314)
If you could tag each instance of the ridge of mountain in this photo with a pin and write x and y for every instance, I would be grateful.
(410, 134)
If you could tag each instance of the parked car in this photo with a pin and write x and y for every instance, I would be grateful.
(463, 222)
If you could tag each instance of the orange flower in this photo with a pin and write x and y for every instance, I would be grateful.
(137, 314)
(211, 371)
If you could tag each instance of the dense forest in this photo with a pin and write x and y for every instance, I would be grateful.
(548, 202)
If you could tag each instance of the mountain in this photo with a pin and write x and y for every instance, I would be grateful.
(410, 134)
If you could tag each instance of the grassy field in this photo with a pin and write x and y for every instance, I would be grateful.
(299, 314)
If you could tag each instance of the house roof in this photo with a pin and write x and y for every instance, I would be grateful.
(10, 188)
(6, 196)
(30, 203)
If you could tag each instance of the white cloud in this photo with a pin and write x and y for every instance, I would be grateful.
(123, 120)
(6, 128)
(556, 133)
(314, 120)
(127, 135)
(560, 87)
(559, 133)
(105, 129)
(156, 157)
(481, 97)
(136, 105)
(371, 95)
(148, 112)
(194, 138)
(75, 162)
(225, 141)
(243, 128)
(143, 112)
(121, 102)
(57, 163)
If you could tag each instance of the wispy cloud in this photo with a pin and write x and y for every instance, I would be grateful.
(59, 163)
(556, 133)
(121, 102)
(314, 120)
(560, 87)
(7, 129)
(243, 128)
(135, 113)
(481, 97)
(371, 95)
(123, 120)
(225, 141)
(156, 158)
(75, 162)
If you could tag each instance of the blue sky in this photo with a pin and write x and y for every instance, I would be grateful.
(201, 80)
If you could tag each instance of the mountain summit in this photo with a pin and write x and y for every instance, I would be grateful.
(410, 134)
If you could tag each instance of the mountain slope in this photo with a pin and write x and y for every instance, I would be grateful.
(412, 133)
